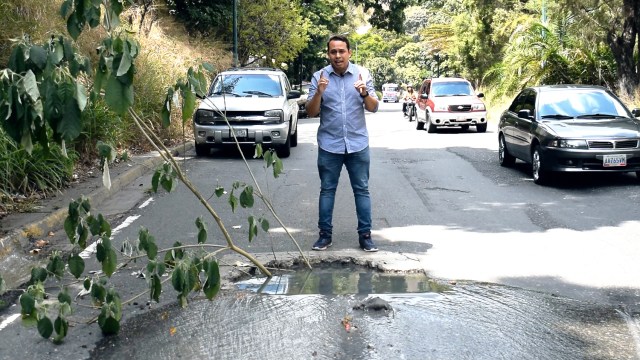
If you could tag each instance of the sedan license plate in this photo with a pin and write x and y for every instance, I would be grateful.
(614, 160)
(240, 132)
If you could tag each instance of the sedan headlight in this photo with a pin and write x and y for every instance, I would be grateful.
(569, 144)
(275, 114)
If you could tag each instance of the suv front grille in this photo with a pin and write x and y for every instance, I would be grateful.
(459, 108)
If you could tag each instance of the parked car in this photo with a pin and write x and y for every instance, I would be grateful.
(569, 128)
(450, 101)
(259, 104)
(302, 101)
(390, 92)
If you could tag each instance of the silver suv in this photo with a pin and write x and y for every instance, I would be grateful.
(260, 106)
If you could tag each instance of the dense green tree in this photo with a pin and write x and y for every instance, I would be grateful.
(619, 22)
(205, 17)
(273, 30)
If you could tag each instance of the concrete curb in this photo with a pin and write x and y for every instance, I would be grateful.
(17, 240)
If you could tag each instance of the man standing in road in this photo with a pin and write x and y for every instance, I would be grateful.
(340, 92)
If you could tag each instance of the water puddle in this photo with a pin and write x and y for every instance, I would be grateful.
(311, 315)
(334, 280)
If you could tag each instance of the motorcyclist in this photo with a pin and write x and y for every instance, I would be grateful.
(409, 96)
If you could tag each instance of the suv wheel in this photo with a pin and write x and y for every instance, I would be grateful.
(285, 150)
(294, 138)
(430, 127)
(202, 149)
(481, 127)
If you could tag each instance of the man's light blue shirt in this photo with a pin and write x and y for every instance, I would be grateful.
(342, 123)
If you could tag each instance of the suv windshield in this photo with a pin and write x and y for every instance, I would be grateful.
(452, 88)
(247, 85)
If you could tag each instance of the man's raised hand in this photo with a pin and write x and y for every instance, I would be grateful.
(360, 85)
(322, 83)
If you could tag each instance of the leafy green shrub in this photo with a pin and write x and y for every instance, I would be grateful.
(42, 171)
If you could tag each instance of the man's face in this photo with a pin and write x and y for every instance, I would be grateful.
(339, 56)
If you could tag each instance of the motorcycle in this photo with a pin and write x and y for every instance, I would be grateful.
(411, 110)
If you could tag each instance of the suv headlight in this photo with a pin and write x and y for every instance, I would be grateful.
(569, 144)
(440, 107)
(205, 117)
(478, 107)
(275, 114)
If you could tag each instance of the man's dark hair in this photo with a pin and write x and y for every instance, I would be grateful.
(338, 38)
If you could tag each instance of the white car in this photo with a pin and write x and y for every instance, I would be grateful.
(450, 102)
(259, 104)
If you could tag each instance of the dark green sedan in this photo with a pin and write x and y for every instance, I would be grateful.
(569, 128)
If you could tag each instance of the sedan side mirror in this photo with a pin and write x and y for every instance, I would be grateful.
(524, 114)
(636, 112)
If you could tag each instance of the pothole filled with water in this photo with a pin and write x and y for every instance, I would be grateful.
(340, 280)
(318, 315)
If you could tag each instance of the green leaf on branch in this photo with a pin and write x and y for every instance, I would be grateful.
(202, 230)
(76, 266)
(38, 274)
(118, 96)
(277, 166)
(219, 191)
(258, 152)
(56, 265)
(30, 86)
(189, 104)
(264, 223)
(253, 228)
(212, 285)
(45, 327)
(27, 304)
(64, 297)
(155, 288)
(38, 55)
(166, 109)
(246, 197)
(61, 327)
(207, 66)
(233, 201)
(125, 61)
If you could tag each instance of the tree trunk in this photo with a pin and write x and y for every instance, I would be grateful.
(623, 42)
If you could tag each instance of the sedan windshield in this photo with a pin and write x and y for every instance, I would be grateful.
(583, 104)
(261, 85)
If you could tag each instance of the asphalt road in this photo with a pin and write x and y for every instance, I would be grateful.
(441, 203)
(441, 196)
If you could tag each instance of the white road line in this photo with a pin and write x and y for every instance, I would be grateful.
(146, 203)
(8, 321)
(86, 253)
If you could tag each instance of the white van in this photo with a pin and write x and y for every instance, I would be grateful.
(390, 92)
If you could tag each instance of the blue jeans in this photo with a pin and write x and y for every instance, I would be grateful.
(329, 168)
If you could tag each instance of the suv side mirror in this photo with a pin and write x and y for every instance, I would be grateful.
(636, 112)
(424, 96)
(293, 94)
(524, 114)
(480, 95)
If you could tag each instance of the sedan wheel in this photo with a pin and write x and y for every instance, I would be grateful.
(504, 157)
(539, 176)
